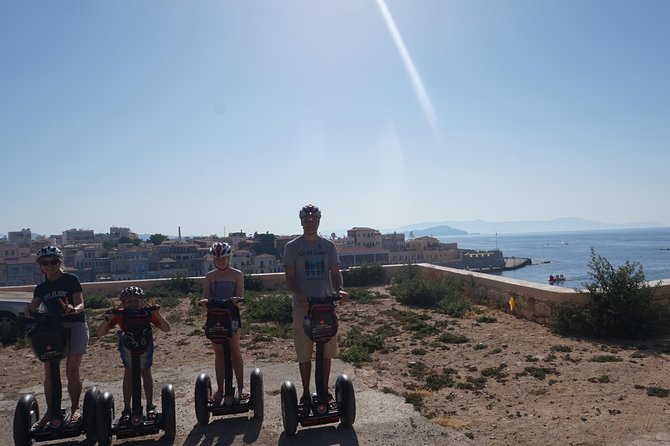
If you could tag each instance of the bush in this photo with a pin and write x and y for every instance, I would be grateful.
(617, 303)
(253, 283)
(94, 301)
(274, 307)
(445, 294)
(362, 295)
(366, 275)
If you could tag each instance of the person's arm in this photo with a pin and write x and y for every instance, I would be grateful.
(205, 291)
(105, 325)
(161, 322)
(77, 305)
(292, 285)
(336, 280)
(32, 306)
(239, 286)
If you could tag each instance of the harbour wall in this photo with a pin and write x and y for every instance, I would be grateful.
(533, 301)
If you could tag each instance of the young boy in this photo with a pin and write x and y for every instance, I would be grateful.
(132, 298)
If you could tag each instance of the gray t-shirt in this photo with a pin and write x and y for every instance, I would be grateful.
(312, 262)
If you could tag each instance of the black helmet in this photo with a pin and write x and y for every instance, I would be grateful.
(221, 250)
(49, 251)
(132, 291)
(310, 211)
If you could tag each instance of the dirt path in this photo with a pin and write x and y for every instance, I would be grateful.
(508, 382)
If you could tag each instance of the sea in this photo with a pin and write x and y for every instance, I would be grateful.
(569, 253)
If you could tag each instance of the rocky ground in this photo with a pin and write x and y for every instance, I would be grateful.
(490, 376)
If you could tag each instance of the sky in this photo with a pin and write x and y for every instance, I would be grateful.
(221, 116)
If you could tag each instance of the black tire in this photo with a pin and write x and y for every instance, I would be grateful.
(90, 402)
(256, 380)
(104, 410)
(203, 390)
(169, 411)
(26, 414)
(289, 407)
(344, 395)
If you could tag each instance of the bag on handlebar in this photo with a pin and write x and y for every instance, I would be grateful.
(49, 340)
(323, 322)
(137, 334)
(219, 324)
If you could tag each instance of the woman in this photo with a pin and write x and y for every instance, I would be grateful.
(222, 284)
(61, 294)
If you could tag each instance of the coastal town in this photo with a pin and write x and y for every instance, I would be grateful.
(121, 254)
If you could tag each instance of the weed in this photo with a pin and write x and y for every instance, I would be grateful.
(415, 399)
(600, 379)
(658, 391)
(561, 348)
(437, 382)
(479, 346)
(495, 372)
(417, 369)
(486, 320)
(449, 338)
(605, 358)
(541, 372)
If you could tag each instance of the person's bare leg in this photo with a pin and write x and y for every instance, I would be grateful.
(74, 384)
(238, 362)
(305, 376)
(148, 381)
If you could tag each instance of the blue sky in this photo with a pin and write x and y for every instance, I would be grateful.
(218, 116)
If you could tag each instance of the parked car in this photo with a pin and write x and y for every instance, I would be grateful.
(12, 305)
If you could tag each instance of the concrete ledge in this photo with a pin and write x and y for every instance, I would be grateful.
(533, 301)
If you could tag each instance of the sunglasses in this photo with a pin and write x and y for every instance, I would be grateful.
(52, 262)
(310, 219)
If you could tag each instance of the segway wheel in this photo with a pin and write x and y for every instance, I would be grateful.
(104, 410)
(344, 395)
(169, 411)
(26, 414)
(90, 401)
(289, 407)
(203, 390)
(256, 380)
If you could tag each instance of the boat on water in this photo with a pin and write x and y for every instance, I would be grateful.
(556, 279)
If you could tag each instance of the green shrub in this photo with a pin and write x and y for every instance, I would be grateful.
(253, 283)
(618, 302)
(96, 301)
(362, 295)
(366, 275)
(411, 288)
(182, 285)
(357, 345)
(272, 307)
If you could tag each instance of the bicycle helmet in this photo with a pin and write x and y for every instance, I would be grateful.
(221, 250)
(132, 291)
(49, 251)
(310, 211)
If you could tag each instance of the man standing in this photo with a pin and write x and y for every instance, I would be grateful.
(312, 270)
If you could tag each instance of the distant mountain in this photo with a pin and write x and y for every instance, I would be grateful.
(509, 227)
(437, 231)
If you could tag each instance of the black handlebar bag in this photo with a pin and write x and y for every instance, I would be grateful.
(137, 334)
(323, 322)
(219, 324)
(49, 340)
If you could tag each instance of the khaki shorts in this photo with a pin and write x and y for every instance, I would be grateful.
(78, 337)
(303, 344)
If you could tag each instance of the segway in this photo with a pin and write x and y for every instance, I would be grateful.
(321, 327)
(49, 341)
(135, 337)
(219, 329)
